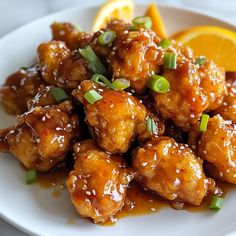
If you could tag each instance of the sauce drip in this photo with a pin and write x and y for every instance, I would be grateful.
(55, 179)
(140, 201)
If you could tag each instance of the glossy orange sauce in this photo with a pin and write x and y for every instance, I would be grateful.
(139, 201)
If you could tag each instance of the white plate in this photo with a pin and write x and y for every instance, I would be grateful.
(34, 210)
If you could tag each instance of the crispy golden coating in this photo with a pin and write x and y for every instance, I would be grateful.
(68, 34)
(18, 89)
(103, 51)
(43, 98)
(118, 26)
(184, 53)
(61, 67)
(172, 170)
(114, 119)
(185, 102)
(98, 183)
(212, 84)
(218, 147)
(73, 71)
(42, 137)
(228, 108)
(51, 55)
(136, 57)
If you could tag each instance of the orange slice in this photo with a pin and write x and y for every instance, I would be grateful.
(119, 9)
(216, 43)
(157, 23)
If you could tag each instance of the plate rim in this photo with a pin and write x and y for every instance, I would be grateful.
(76, 8)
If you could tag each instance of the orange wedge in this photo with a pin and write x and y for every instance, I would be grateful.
(157, 23)
(216, 43)
(119, 9)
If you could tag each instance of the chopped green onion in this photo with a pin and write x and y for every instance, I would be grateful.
(216, 203)
(165, 43)
(143, 21)
(133, 28)
(78, 28)
(204, 122)
(200, 60)
(102, 80)
(170, 60)
(151, 126)
(92, 96)
(94, 62)
(31, 176)
(158, 84)
(59, 94)
(106, 37)
(120, 84)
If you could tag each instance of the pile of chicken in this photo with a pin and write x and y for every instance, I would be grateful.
(109, 138)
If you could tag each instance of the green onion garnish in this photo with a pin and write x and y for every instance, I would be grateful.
(59, 94)
(158, 84)
(200, 60)
(78, 28)
(204, 122)
(31, 176)
(170, 60)
(165, 43)
(133, 28)
(102, 80)
(143, 21)
(92, 96)
(120, 84)
(106, 37)
(94, 62)
(216, 203)
(151, 126)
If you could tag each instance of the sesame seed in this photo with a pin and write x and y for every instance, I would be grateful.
(88, 193)
(144, 164)
(94, 192)
(84, 188)
(62, 186)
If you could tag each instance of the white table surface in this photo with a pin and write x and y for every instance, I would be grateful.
(14, 13)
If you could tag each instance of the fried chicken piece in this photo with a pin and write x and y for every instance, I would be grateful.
(61, 67)
(98, 183)
(114, 119)
(136, 57)
(73, 71)
(51, 55)
(185, 102)
(212, 84)
(103, 51)
(228, 108)
(218, 147)
(43, 98)
(42, 137)
(19, 88)
(68, 34)
(171, 170)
